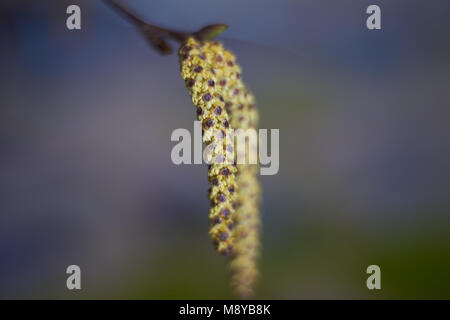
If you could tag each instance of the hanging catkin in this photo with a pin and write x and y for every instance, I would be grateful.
(197, 69)
(239, 106)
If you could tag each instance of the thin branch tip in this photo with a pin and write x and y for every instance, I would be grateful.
(157, 36)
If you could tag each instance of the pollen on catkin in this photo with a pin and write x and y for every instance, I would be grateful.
(198, 70)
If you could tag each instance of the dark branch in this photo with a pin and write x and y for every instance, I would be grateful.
(157, 35)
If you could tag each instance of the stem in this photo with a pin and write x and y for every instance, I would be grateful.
(157, 35)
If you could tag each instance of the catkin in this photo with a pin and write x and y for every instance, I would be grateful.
(210, 70)
(239, 103)
(197, 69)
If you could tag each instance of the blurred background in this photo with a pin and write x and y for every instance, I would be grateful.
(86, 176)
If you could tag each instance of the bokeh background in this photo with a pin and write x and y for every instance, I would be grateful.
(85, 171)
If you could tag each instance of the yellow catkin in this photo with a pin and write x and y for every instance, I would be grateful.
(197, 69)
(220, 76)
(239, 103)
